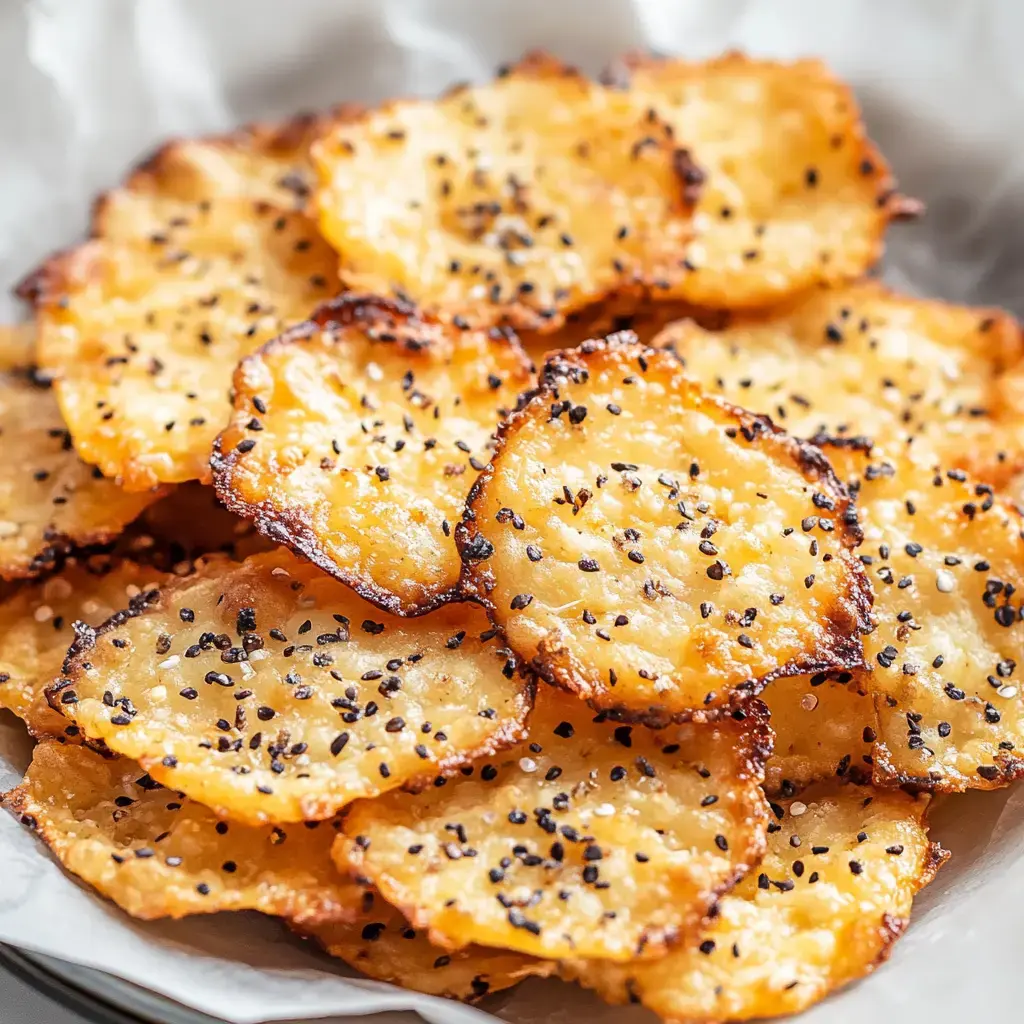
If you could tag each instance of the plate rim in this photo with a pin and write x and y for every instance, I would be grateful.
(47, 982)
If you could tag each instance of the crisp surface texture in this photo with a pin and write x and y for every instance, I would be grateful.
(156, 854)
(513, 202)
(794, 193)
(865, 361)
(655, 550)
(50, 501)
(270, 692)
(816, 914)
(592, 839)
(357, 436)
(382, 945)
(36, 631)
(190, 268)
(945, 558)
(824, 729)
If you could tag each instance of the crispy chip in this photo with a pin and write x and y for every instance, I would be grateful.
(36, 630)
(820, 912)
(17, 346)
(824, 729)
(50, 501)
(513, 202)
(590, 840)
(156, 854)
(357, 436)
(382, 946)
(144, 324)
(863, 360)
(269, 692)
(794, 193)
(947, 563)
(655, 550)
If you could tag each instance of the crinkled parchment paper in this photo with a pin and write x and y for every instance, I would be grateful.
(89, 86)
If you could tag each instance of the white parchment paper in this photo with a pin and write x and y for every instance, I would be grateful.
(88, 86)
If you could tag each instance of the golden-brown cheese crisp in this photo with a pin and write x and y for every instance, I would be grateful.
(381, 944)
(655, 550)
(945, 556)
(825, 906)
(157, 854)
(50, 500)
(356, 437)
(36, 630)
(824, 729)
(518, 201)
(862, 360)
(270, 692)
(794, 193)
(590, 839)
(192, 265)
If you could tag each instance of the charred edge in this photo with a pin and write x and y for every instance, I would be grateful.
(935, 857)
(1010, 768)
(889, 930)
(293, 530)
(86, 635)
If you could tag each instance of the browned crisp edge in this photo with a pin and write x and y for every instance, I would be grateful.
(537, 65)
(885, 775)
(292, 526)
(48, 280)
(851, 617)
(750, 749)
(512, 730)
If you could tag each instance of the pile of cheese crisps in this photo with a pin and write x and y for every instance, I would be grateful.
(510, 535)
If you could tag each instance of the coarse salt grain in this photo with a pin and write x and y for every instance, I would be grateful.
(945, 582)
(796, 808)
(527, 764)
(170, 662)
(809, 701)
(604, 810)
(1007, 691)
(43, 613)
